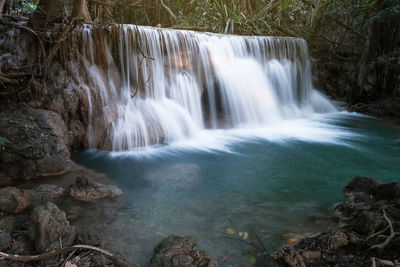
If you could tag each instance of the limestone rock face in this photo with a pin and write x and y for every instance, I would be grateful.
(175, 251)
(49, 227)
(86, 189)
(35, 143)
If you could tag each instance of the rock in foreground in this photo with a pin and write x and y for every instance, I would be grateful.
(50, 229)
(35, 143)
(176, 251)
(367, 234)
(87, 190)
(14, 200)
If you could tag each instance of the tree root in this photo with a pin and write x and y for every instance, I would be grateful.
(23, 258)
(388, 238)
(374, 262)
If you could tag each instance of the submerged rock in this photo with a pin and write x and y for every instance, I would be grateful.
(86, 189)
(175, 251)
(35, 143)
(49, 228)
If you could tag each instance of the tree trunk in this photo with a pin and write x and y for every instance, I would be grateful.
(1, 7)
(370, 52)
(103, 13)
(80, 11)
(47, 13)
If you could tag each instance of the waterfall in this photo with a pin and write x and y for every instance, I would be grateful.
(149, 85)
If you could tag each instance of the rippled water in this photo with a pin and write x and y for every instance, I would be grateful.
(271, 182)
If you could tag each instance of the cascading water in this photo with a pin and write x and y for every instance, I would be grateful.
(147, 85)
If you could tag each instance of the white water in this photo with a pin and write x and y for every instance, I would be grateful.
(161, 85)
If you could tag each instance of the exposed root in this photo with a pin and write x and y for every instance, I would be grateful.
(58, 42)
(389, 238)
(23, 258)
(379, 232)
(381, 262)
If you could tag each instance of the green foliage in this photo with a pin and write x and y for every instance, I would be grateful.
(24, 7)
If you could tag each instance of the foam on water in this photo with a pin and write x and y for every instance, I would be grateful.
(320, 129)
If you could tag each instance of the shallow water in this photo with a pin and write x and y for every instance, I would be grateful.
(272, 182)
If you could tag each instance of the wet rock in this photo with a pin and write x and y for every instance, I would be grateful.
(8, 224)
(5, 240)
(311, 255)
(36, 144)
(337, 240)
(100, 260)
(54, 190)
(175, 251)
(388, 191)
(290, 257)
(49, 228)
(14, 200)
(86, 189)
(90, 239)
(362, 184)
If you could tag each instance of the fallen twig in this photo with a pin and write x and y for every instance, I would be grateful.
(23, 258)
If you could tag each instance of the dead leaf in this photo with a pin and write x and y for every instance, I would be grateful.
(230, 231)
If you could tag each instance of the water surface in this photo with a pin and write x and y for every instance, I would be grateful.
(273, 182)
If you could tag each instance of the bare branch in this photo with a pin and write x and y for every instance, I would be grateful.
(168, 10)
(23, 258)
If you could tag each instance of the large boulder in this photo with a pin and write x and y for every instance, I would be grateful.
(86, 189)
(50, 228)
(362, 184)
(34, 143)
(175, 251)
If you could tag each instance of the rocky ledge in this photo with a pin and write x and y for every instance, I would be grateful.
(35, 231)
(367, 231)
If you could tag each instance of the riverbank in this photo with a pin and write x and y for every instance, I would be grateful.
(40, 225)
(366, 232)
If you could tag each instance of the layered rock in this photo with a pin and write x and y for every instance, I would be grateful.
(36, 143)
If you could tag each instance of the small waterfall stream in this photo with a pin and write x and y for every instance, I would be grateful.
(148, 85)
